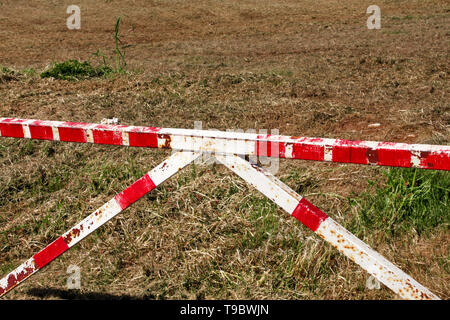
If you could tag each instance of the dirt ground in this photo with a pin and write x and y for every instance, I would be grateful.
(305, 68)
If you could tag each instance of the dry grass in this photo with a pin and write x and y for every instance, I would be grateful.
(306, 68)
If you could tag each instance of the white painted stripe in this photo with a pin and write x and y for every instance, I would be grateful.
(125, 138)
(208, 133)
(211, 145)
(415, 159)
(55, 131)
(288, 149)
(374, 144)
(89, 136)
(162, 142)
(26, 131)
(328, 153)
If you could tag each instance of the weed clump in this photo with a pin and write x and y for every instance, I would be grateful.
(75, 70)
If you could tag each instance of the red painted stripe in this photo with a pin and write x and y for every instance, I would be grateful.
(394, 158)
(107, 137)
(135, 191)
(53, 250)
(307, 151)
(436, 161)
(72, 134)
(349, 154)
(11, 130)
(143, 139)
(41, 132)
(308, 214)
(281, 150)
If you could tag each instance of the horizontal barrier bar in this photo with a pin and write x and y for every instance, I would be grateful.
(391, 154)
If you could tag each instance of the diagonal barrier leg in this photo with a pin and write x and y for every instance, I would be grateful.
(297, 206)
(99, 217)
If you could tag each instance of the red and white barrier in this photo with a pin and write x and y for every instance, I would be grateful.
(99, 217)
(218, 144)
(319, 149)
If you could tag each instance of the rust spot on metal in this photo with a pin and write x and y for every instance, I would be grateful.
(25, 273)
(167, 140)
(372, 155)
(76, 232)
(99, 211)
(68, 238)
(424, 155)
(12, 281)
(72, 234)
(349, 247)
(414, 292)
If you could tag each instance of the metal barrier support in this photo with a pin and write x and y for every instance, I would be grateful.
(217, 143)
(96, 219)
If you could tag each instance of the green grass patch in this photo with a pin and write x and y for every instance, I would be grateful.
(264, 219)
(410, 199)
(6, 268)
(75, 70)
(109, 175)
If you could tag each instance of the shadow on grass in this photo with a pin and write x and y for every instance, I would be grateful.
(78, 295)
